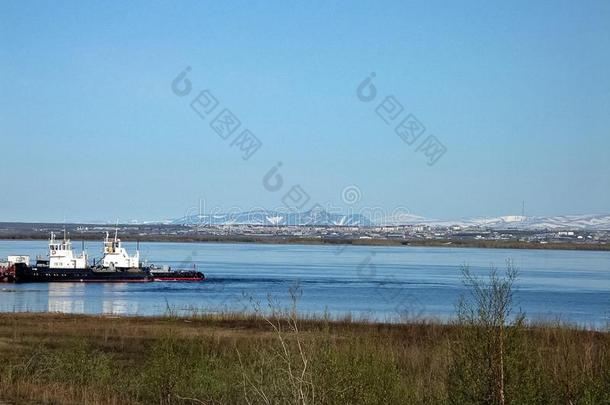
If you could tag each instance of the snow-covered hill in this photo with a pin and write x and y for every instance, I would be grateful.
(573, 222)
(320, 217)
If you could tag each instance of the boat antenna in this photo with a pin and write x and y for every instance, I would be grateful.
(116, 230)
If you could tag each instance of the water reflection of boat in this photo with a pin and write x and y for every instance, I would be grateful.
(66, 298)
(119, 307)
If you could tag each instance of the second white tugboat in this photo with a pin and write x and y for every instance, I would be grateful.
(116, 258)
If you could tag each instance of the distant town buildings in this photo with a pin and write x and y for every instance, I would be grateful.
(393, 233)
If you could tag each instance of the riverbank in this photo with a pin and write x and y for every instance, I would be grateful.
(283, 240)
(234, 359)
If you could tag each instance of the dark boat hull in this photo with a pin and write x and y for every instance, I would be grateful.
(22, 273)
(28, 274)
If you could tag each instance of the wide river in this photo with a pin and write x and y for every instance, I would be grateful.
(382, 283)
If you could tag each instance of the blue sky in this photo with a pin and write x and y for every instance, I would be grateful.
(519, 94)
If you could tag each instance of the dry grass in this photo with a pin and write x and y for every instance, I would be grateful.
(52, 358)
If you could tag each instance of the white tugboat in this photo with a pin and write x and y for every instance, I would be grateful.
(116, 256)
(61, 255)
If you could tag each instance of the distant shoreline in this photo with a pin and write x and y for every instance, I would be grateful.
(284, 240)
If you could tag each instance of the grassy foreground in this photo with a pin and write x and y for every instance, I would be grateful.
(235, 359)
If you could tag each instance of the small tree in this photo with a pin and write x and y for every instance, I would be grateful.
(478, 374)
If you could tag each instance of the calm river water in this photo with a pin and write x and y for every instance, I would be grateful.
(384, 283)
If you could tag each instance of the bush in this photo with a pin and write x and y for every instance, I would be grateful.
(488, 342)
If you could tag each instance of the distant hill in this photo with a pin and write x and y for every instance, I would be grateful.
(317, 217)
(573, 222)
(320, 217)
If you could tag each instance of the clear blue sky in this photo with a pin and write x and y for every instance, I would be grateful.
(518, 92)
